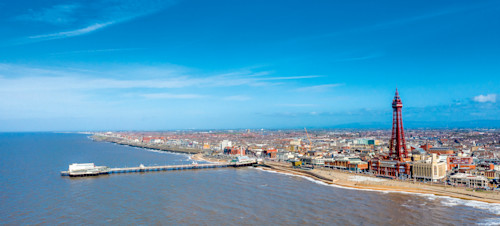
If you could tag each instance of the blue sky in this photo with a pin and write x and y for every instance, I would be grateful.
(154, 65)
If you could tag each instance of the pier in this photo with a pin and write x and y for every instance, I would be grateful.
(105, 170)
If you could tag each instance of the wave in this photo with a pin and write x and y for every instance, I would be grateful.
(445, 200)
(492, 207)
(490, 221)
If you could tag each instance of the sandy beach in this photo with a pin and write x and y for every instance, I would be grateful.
(367, 182)
(362, 181)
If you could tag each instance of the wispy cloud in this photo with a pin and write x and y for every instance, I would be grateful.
(486, 98)
(87, 18)
(394, 23)
(297, 105)
(289, 78)
(171, 96)
(66, 34)
(164, 77)
(96, 51)
(35, 92)
(57, 14)
(319, 88)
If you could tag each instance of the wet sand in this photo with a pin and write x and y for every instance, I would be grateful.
(367, 182)
(362, 181)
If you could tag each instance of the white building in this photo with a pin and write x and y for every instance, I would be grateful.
(468, 180)
(430, 169)
(225, 144)
(283, 156)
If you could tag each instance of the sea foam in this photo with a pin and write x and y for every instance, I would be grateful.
(445, 200)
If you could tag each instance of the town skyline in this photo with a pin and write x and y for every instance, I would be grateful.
(163, 65)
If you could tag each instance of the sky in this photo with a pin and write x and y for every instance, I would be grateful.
(188, 64)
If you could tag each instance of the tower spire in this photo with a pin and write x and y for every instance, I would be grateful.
(397, 147)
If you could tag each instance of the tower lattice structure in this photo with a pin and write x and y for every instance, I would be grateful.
(397, 148)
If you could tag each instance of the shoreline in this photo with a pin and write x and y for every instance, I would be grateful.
(351, 180)
(368, 183)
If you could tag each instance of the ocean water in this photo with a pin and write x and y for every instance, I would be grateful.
(33, 192)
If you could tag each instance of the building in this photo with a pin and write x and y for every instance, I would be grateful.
(153, 140)
(225, 143)
(373, 142)
(417, 154)
(457, 162)
(257, 152)
(296, 142)
(492, 174)
(431, 169)
(234, 151)
(312, 160)
(284, 156)
(441, 150)
(346, 163)
(271, 153)
(390, 168)
(484, 166)
(468, 180)
(426, 147)
(397, 164)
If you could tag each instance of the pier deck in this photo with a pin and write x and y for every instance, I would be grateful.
(155, 168)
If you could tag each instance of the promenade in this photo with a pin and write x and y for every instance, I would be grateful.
(366, 182)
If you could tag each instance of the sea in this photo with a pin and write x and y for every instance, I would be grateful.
(32, 192)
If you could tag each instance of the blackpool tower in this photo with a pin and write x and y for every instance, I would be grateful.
(397, 147)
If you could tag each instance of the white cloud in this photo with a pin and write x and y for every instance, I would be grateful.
(319, 88)
(16, 77)
(290, 77)
(57, 14)
(34, 92)
(297, 105)
(171, 96)
(90, 51)
(486, 98)
(66, 34)
(86, 18)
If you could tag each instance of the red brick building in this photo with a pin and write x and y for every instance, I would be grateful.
(441, 150)
(271, 153)
(234, 151)
(355, 164)
(390, 168)
(460, 162)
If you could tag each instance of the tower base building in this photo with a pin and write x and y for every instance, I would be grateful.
(390, 168)
(398, 163)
